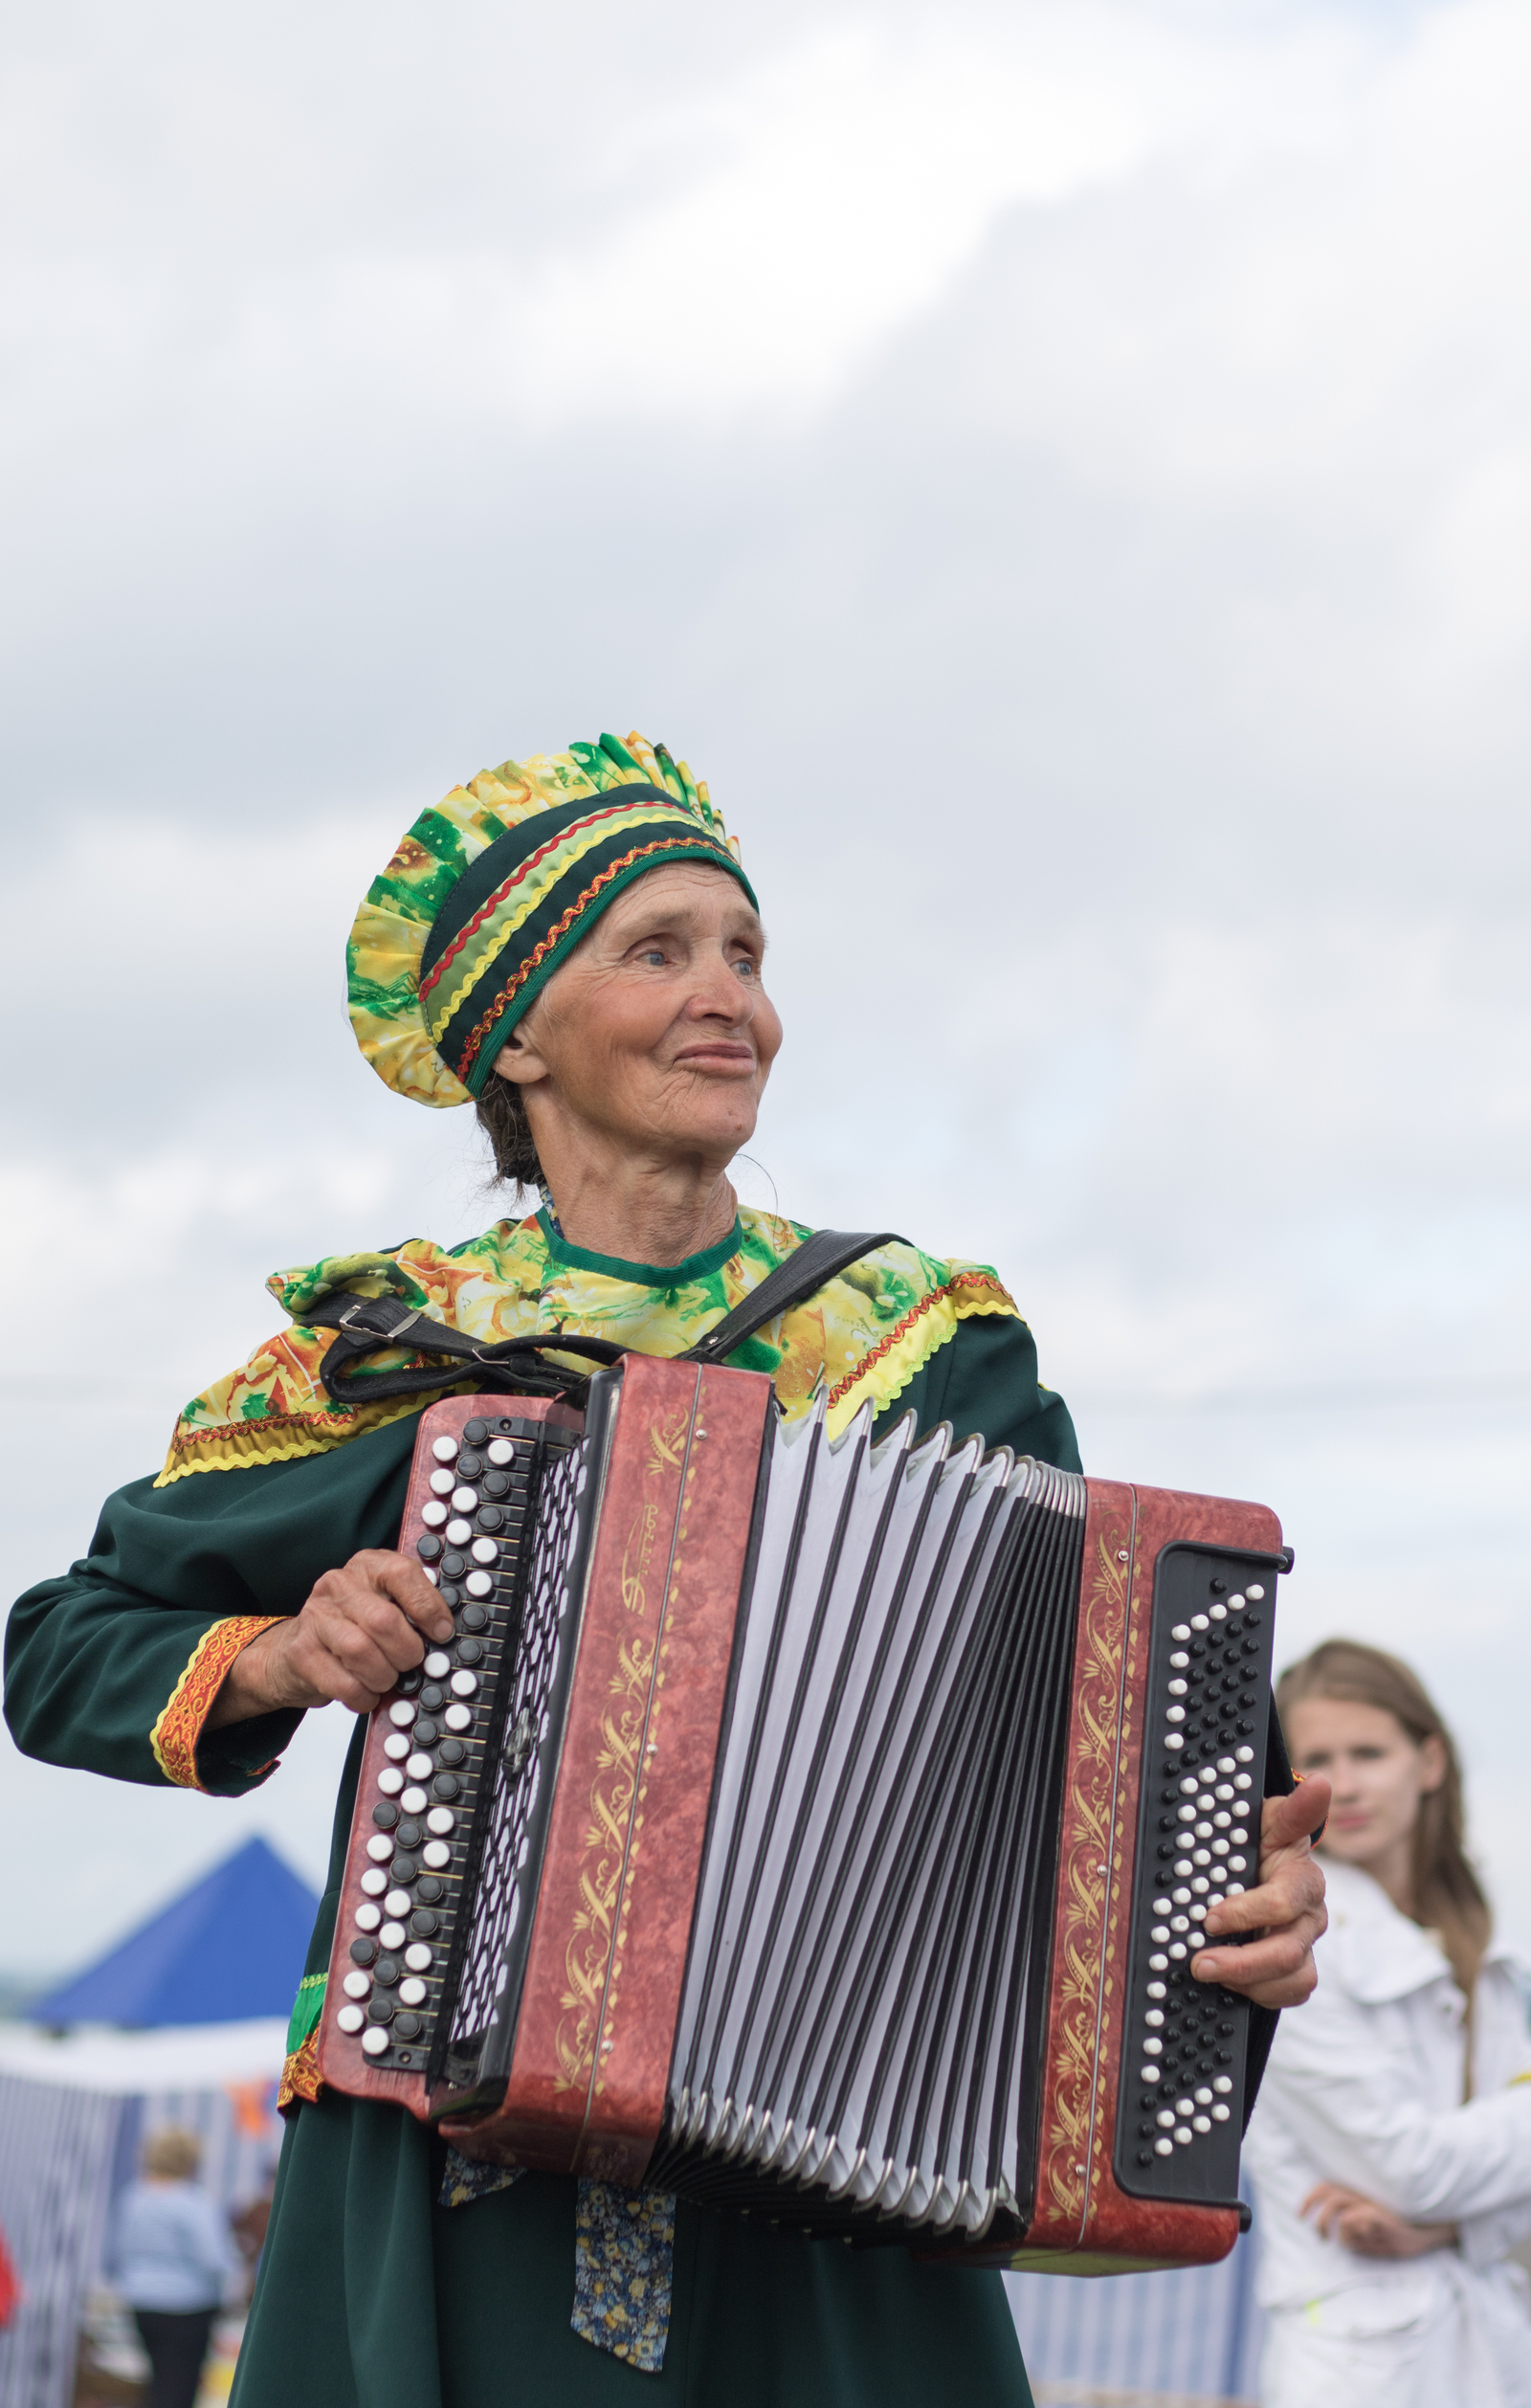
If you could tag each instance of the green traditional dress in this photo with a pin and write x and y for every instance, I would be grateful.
(394, 2274)
(373, 2290)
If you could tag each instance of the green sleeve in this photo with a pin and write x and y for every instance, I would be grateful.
(93, 1658)
(984, 1379)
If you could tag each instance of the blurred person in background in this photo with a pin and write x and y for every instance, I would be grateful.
(171, 2257)
(1391, 2147)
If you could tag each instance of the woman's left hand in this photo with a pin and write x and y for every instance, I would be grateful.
(1370, 2229)
(1286, 1907)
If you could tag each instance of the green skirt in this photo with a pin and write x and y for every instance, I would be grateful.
(372, 2296)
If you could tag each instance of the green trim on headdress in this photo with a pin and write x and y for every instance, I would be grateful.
(494, 887)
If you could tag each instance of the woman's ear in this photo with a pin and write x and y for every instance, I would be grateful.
(1432, 1763)
(519, 1059)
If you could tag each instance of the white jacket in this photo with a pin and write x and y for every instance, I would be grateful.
(1365, 2087)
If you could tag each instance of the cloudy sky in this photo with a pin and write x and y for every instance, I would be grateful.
(1061, 473)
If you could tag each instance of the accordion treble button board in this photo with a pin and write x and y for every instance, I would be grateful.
(1181, 2101)
(422, 1777)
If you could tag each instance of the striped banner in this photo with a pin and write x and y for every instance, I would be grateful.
(1189, 2339)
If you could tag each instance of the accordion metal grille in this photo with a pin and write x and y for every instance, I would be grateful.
(523, 1766)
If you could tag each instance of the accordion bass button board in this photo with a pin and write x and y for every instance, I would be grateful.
(817, 1830)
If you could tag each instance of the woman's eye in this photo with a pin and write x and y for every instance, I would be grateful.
(744, 968)
(655, 953)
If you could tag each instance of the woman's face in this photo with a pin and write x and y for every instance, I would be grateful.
(656, 1034)
(1378, 1774)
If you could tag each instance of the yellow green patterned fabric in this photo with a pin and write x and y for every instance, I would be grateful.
(493, 888)
(865, 1334)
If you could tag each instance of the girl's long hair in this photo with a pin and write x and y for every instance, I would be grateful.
(1448, 1894)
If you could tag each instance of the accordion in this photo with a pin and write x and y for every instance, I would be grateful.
(818, 1829)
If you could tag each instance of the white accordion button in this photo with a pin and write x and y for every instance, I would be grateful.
(367, 1918)
(392, 1935)
(436, 1665)
(1155, 2015)
(1254, 1593)
(1164, 2148)
(459, 1718)
(1201, 1884)
(1225, 1764)
(1182, 1630)
(1235, 1889)
(1152, 2047)
(1198, 2122)
(1177, 1949)
(1183, 2108)
(402, 1712)
(1156, 1990)
(499, 1451)
(357, 1985)
(445, 1450)
(1159, 1934)
(1182, 1897)
(463, 1499)
(434, 1514)
(458, 1533)
(1223, 2084)
(1183, 2133)
(1242, 1781)
(464, 1684)
(485, 1550)
(350, 2018)
(414, 1801)
(1164, 2118)
(1238, 1865)
(1161, 1905)
(440, 1819)
(1148, 2073)
(1235, 1605)
(1174, 1713)
(397, 1744)
(435, 1856)
(374, 1882)
(390, 1780)
(442, 1483)
(1178, 1660)
(1158, 1964)
(1218, 1613)
(1219, 2114)
(419, 1768)
(478, 1584)
(1204, 2098)
(1177, 1688)
(1197, 1910)
(374, 2040)
(417, 1957)
(1245, 1755)
(1198, 1621)
(1183, 1869)
(380, 1847)
(412, 1994)
(1175, 1739)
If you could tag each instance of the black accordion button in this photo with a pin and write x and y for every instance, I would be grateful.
(364, 1952)
(474, 1433)
(407, 2027)
(387, 1970)
(380, 2007)
(469, 1466)
(403, 1872)
(423, 1924)
(385, 1815)
(433, 1697)
(411, 1835)
(425, 1733)
(475, 1618)
(496, 1484)
(450, 1752)
(452, 1567)
(469, 1651)
(445, 1786)
(431, 1892)
(429, 1548)
(448, 1592)
(489, 1518)
(407, 1683)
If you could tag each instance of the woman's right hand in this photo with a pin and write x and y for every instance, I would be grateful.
(1370, 2229)
(360, 1627)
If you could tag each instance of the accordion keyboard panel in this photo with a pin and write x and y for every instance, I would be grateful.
(433, 1749)
(1181, 2100)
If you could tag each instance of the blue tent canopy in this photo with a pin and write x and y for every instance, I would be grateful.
(228, 1948)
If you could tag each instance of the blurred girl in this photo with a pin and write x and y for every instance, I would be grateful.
(172, 2261)
(1392, 2146)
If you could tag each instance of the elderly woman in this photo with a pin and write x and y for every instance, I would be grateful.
(572, 944)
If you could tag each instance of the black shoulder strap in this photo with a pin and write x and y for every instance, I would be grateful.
(369, 1324)
(818, 1260)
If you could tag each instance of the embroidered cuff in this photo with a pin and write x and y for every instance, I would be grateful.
(176, 1735)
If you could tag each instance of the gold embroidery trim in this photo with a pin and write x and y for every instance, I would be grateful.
(299, 2074)
(176, 1735)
